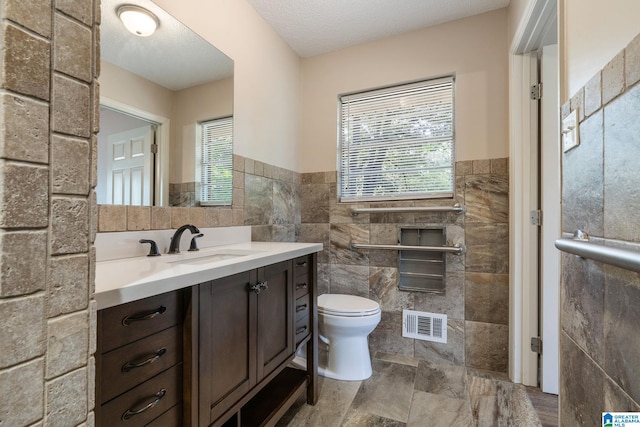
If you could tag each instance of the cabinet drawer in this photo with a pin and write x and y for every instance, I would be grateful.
(301, 286)
(171, 418)
(150, 400)
(132, 364)
(129, 322)
(302, 307)
(302, 329)
(302, 265)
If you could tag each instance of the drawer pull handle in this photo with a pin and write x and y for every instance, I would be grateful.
(300, 308)
(133, 412)
(301, 263)
(145, 316)
(301, 330)
(301, 286)
(129, 366)
(259, 287)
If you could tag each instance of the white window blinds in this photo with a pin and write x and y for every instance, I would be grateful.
(397, 142)
(216, 162)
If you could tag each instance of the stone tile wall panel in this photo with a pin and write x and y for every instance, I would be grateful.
(22, 262)
(46, 128)
(72, 49)
(24, 195)
(24, 129)
(71, 163)
(22, 391)
(599, 346)
(25, 63)
(70, 225)
(23, 329)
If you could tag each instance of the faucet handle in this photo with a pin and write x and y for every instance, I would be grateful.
(153, 249)
(194, 244)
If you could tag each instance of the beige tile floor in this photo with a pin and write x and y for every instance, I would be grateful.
(416, 393)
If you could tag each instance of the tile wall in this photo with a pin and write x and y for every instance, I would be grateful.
(282, 205)
(600, 304)
(264, 196)
(48, 122)
(477, 290)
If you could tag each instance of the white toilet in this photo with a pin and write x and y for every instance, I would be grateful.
(345, 322)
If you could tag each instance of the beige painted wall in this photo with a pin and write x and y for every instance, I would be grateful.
(475, 49)
(594, 32)
(183, 108)
(267, 76)
(125, 87)
(516, 12)
(193, 105)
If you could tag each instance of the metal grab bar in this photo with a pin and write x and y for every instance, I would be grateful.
(455, 249)
(407, 209)
(623, 258)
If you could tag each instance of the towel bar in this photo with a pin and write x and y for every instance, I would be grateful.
(455, 249)
(408, 209)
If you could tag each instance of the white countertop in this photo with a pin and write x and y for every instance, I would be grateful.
(124, 280)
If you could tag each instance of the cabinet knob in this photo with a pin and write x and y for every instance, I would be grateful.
(301, 307)
(259, 287)
(301, 330)
(301, 286)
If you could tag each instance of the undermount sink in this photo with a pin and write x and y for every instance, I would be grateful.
(206, 258)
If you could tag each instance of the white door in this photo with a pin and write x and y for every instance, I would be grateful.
(129, 167)
(551, 228)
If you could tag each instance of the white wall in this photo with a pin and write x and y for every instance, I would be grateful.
(475, 49)
(594, 32)
(267, 76)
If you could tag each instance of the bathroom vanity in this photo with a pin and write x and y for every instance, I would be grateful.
(213, 350)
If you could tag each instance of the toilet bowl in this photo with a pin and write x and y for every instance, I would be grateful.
(345, 322)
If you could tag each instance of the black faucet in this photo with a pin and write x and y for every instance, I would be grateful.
(174, 246)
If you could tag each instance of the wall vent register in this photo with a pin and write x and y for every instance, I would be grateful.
(424, 326)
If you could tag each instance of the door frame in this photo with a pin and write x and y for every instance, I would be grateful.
(523, 237)
(161, 172)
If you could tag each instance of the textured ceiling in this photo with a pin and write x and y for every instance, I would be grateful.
(174, 56)
(313, 27)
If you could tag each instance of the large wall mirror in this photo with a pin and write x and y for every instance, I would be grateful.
(154, 93)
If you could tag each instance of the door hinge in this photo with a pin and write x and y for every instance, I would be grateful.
(536, 345)
(536, 217)
(536, 91)
(154, 148)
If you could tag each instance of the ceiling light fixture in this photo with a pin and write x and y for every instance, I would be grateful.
(138, 20)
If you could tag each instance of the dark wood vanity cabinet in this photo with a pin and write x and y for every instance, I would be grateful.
(250, 325)
(213, 354)
(139, 374)
(246, 332)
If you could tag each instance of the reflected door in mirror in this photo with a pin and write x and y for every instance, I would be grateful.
(130, 166)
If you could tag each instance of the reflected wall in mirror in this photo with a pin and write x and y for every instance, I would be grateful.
(153, 93)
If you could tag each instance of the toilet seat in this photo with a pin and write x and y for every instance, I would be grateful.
(347, 305)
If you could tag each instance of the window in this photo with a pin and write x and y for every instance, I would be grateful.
(216, 162)
(397, 142)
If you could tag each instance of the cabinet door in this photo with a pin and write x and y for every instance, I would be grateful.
(227, 343)
(275, 317)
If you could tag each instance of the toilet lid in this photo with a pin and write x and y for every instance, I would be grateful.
(347, 305)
